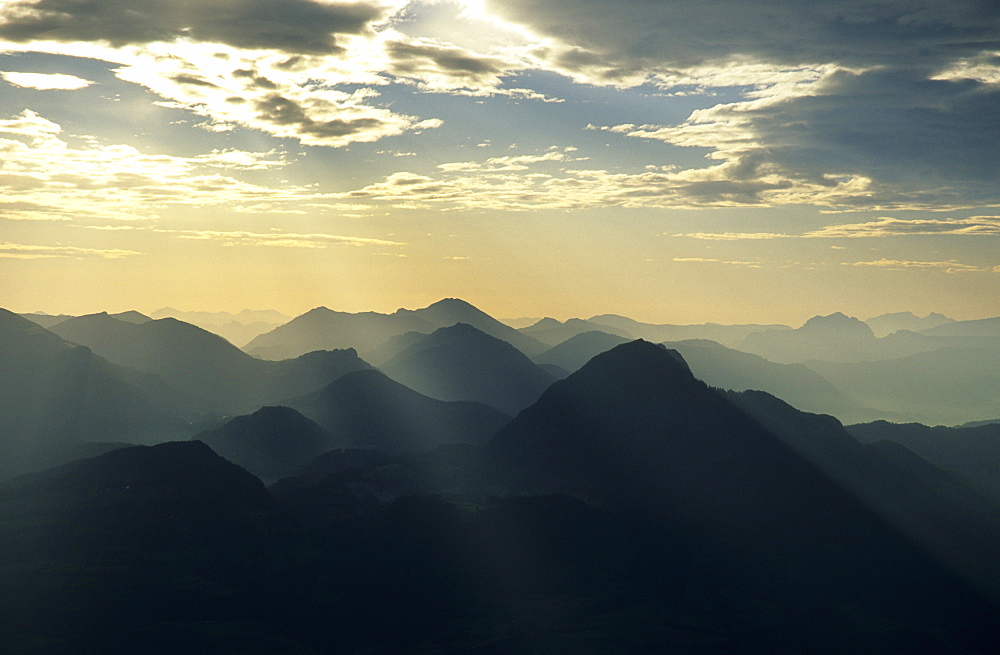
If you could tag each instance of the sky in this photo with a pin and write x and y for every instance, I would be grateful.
(728, 161)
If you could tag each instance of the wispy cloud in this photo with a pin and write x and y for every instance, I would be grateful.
(44, 177)
(882, 227)
(24, 251)
(547, 181)
(278, 239)
(901, 265)
(709, 260)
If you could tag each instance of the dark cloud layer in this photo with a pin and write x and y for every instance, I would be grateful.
(410, 57)
(895, 125)
(290, 25)
(644, 33)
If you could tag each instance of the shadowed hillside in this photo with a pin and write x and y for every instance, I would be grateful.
(366, 409)
(204, 364)
(462, 363)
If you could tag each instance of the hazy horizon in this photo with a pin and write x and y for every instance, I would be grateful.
(796, 321)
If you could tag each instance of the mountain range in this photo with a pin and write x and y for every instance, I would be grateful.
(203, 364)
(566, 487)
(325, 329)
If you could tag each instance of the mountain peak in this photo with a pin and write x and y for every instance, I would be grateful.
(452, 302)
(547, 322)
(638, 358)
(837, 321)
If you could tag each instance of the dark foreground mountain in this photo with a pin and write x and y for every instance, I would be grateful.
(726, 368)
(325, 329)
(366, 409)
(271, 443)
(205, 365)
(463, 363)
(972, 452)
(635, 426)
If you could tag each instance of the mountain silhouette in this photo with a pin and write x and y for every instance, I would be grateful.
(367, 410)
(238, 329)
(971, 452)
(888, 323)
(463, 363)
(835, 337)
(55, 397)
(983, 327)
(945, 386)
(726, 368)
(272, 443)
(132, 317)
(577, 350)
(204, 364)
(797, 384)
(175, 492)
(324, 329)
(553, 332)
(635, 424)
(45, 320)
(728, 335)
(940, 511)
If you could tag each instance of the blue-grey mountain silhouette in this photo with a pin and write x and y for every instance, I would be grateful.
(204, 364)
(325, 329)
(885, 324)
(463, 363)
(56, 397)
(272, 443)
(367, 410)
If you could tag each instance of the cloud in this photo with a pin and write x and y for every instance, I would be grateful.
(882, 227)
(276, 66)
(296, 26)
(708, 260)
(526, 182)
(45, 81)
(43, 177)
(899, 95)
(901, 265)
(677, 33)
(22, 251)
(277, 239)
(887, 227)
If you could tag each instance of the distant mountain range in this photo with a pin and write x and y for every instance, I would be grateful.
(886, 324)
(238, 328)
(203, 364)
(325, 329)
